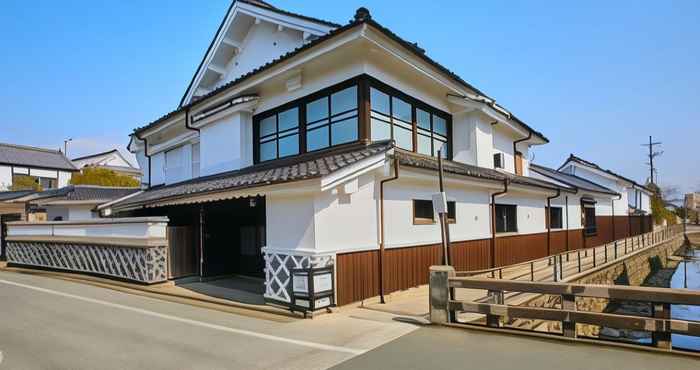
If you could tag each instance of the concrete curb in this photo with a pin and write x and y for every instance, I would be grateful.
(155, 291)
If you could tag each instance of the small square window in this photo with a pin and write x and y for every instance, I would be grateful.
(506, 218)
(423, 212)
(555, 217)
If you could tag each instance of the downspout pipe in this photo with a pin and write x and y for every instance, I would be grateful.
(549, 221)
(515, 149)
(382, 239)
(612, 212)
(493, 220)
(145, 153)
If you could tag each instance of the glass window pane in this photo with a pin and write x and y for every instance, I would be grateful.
(380, 130)
(344, 100)
(440, 125)
(344, 131)
(317, 139)
(289, 145)
(268, 150)
(268, 126)
(403, 138)
(379, 101)
(289, 119)
(317, 109)
(423, 119)
(401, 109)
(424, 146)
(437, 145)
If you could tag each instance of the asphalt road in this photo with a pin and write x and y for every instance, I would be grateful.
(48, 323)
(438, 348)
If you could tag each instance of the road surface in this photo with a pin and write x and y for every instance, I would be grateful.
(48, 323)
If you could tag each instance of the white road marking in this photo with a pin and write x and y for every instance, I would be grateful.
(303, 343)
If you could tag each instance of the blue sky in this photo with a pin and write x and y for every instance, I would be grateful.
(596, 77)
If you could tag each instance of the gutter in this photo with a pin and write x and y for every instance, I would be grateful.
(515, 150)
(382, 239)
(493, 220)
(549, 221)
(187, 121)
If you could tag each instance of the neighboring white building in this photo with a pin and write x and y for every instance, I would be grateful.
(110, 160)
(73, 202)
(636, 198)
(45, 167)
(304, 143)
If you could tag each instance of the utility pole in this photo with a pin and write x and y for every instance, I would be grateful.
(652, 154)
(444, 228)
(65, 146)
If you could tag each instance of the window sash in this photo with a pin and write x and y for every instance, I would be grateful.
(506, 218)
(423, 212)
(426, 132)
(554, 218)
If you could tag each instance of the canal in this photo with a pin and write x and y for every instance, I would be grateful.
(687, 275)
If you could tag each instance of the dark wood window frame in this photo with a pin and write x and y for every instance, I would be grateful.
(363, 83)
(451, 212)
(590, 226)
(506, 226)
(415, 104)
(558, 220)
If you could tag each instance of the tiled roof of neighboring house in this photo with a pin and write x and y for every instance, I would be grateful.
(421, 161)
(10, 195)
(360, 18)
(28, 156)
(95, 155)
(83, 193)
(571, 180)
(573, 158)
(302, 167)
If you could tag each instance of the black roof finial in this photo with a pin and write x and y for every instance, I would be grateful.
(362, 14)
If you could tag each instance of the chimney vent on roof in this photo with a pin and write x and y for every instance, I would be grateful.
(362, 14)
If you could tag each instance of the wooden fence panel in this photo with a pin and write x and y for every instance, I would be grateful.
(182, 251)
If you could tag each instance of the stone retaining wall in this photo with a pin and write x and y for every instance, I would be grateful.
(631, 271)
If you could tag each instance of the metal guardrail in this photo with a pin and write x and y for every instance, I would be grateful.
(445, 309)
(600, 255)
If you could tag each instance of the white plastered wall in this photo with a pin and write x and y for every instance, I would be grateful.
(290, 222)
(226, 144)
(5, 178)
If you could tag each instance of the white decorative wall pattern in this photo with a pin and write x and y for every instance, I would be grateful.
(145, 265)
(278, 275)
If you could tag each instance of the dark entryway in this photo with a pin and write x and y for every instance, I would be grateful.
(234, 233)
(230, 234)
(4, 219)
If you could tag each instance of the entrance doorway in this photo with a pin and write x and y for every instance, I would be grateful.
(234, 234)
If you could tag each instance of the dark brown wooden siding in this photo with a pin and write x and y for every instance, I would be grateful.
(622, 227)
(471, 255)
(603, 234)
(357, 276)
(557, 242)
(408, 267)
(575, 239)
(520, 248)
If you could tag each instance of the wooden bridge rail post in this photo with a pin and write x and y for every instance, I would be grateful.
(439, 289)
(661, 337)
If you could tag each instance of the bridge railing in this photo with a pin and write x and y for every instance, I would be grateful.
(445, 309)
(554, 267)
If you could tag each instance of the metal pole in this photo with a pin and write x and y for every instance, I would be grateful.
(201, 241)
(443, 217)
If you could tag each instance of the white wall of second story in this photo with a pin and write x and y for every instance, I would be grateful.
(226, 145)
(622, 204)
(62, 178)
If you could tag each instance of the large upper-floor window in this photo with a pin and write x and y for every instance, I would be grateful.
(413, 125)
(361, 108)
(332, 119)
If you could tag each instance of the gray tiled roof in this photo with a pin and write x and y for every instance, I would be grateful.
(84, 193)
(303, 167)
(571, 180)
(431, 163)
(10, 195)
(27, 156)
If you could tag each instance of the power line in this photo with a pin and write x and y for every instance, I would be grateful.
(652, 154)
